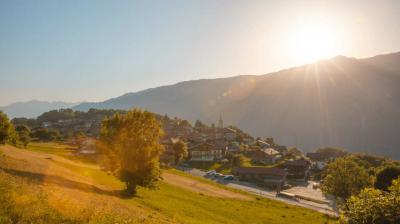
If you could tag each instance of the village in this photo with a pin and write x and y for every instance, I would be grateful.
(272, 168)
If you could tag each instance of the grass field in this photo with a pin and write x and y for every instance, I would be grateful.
(167, 204)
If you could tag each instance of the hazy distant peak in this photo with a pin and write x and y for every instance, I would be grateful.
(33, 108)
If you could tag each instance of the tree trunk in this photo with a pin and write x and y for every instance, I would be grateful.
(130, 188)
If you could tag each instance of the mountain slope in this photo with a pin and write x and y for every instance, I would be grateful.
(33, 108)
(343, 102)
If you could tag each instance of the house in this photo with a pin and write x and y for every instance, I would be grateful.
(226, 133)
(233, 148)
(248, 140)
(263, 145)
(205, 152)
(273, 177)
(220, 143)
(46, 124)
(297, 169)
(265, 156)
(283, 150)
(230, 134)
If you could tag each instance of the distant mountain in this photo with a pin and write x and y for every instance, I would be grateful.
(343, 102)
(33, 108)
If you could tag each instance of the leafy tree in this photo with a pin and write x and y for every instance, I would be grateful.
(385, 177)
(43, 134)
(270, 141)
(336, 152)
(199, 125)
(6, 128)
(344, 178)
(56, 115)
(371, 163)
(23, 134)
(212, 126)
(373, 206)
(185, 123)
(180, 151)
(131, 143)
(238, 160)
(294, 153)
(30, 122)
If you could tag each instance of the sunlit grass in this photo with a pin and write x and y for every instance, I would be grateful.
(52, 148)
(96, 175)
(63, 150)
(174, 203)
(189, 207)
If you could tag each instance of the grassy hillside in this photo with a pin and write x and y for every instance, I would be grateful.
(43, 190)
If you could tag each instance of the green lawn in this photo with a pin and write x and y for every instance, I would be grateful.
(58, 149)
(52, 148)
(190, 207)
(98, 176)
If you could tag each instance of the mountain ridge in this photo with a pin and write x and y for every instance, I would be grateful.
(342, 102)
(33, 108)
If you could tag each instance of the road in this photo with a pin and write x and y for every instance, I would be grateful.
(263, 192)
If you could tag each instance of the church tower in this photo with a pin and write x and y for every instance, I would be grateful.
(220, 122)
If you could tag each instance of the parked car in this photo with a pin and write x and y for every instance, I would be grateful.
(229, 177)
(218, 175)
(211, 172)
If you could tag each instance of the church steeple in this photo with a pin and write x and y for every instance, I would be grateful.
(220, 122)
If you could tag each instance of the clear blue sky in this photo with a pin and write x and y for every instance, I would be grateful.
(81, 50)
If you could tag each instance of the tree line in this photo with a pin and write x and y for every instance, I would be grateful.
(367, 188)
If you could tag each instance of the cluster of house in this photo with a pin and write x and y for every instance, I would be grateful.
(90, 127)
(208, 144)
(204, 143)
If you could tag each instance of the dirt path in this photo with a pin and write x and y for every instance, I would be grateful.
(200, 187)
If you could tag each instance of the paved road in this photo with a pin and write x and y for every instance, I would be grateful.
(254, 189)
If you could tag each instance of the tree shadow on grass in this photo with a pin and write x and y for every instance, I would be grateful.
(63, 182)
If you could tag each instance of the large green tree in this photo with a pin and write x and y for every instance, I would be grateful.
(180, 151)
(131, 144)
(373, 206)
(238, 160)
(43, 134)
(23, 132)
(344, 178)
(6, 128)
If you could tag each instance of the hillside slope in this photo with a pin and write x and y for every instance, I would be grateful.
(45, 188)
(343, 102)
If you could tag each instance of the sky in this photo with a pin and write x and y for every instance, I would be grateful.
(76, 50)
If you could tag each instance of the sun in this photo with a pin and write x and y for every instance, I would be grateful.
(311, 42)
